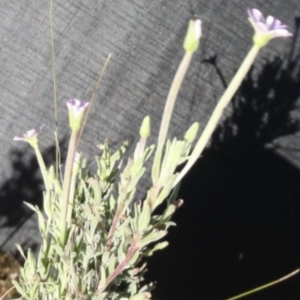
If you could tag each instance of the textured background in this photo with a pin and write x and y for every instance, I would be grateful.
(145, 39)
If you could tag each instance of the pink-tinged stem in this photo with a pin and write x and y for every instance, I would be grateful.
(131, 251)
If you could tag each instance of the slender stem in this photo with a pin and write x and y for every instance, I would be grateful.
(218, 111)
(131, 251)
(113, 226)
(264, 286)
(42, 166)
(7, 292)
(154, 193)
(67, 182)
(94, 96)
(168, 110)
(140, 148)
(57, 157)
(71, 195)
(120, 208)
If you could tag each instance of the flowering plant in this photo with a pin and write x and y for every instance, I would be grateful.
(96, 233)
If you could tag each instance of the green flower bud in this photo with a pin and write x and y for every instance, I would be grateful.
(191, 134)
(145, 127)
(194, 33)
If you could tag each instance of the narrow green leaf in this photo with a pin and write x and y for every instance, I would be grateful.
(111, 265)
(144, 217)
(157, 247)
(152, 237)
(20, 290)
(102, 278)
(142, 296)
(133, 260)
(21, 250)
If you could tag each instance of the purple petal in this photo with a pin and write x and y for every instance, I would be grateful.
(31, 133)
(18, 138)
(281, 32)
(277, 24)
(77, 106)
(198, 29)
(270, 25)
(262, 27)
(256, 15)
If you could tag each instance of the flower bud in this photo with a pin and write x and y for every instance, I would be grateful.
(191, 134)
(194, 33)
(145, 127)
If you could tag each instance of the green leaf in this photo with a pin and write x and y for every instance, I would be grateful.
(142, 296)
(169, 211)
(102, 282)
(97, 191)
(133, 288)
(135, 179)
(47, 203)
(31, 258)
(148, 152)
(121, 252)
(165, 192)
(112, 202)
(157, 247)
(119, 153)
(29, 266)
(57, 187)
(42, 223)
(21, 250)
(144, 217)
(152, 237)
(133, 260)
(111, 265)
(105, 257)
(30, 206)
(20, 290)
(102, 296)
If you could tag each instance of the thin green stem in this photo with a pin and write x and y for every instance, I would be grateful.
(42, 166)
(265, 286)
(57, 156)
(218, 111)
(72, 191)
(168, 110)
(67, 183)
(94, 96)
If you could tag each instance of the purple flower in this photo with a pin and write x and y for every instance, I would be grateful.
(31, 136)
(76, 112)
(77, 107)
(266, 28)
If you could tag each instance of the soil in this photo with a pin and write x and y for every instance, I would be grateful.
(9, 270)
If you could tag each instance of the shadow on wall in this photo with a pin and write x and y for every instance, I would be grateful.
(25, 184)
(239, 227)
